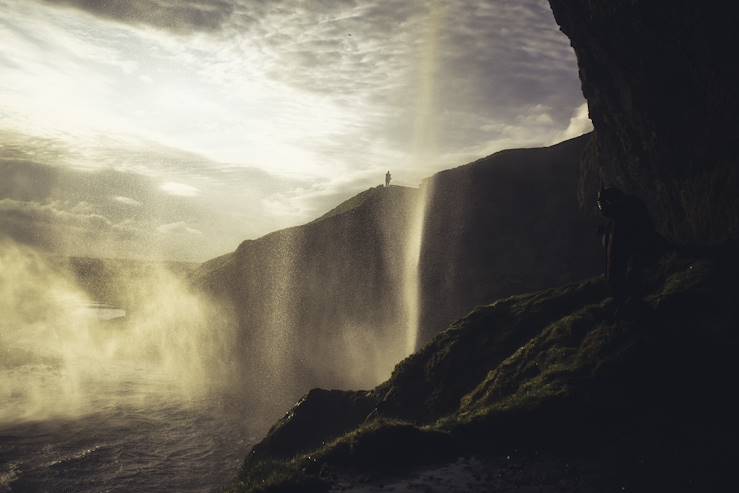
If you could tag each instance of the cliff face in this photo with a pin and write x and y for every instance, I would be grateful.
(506, 224)
(660, 80)
(326, 303)
(321, 303)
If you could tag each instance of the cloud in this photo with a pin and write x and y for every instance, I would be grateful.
(126, 200)
(178, 16)
(56, 212)
(579, 124)
(102, 211)
(269, 112)
(313, 87)
(179, 189)
(179, 227)
(484, 59)
(65, 227)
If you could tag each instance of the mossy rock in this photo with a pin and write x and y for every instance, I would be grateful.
(559, 368)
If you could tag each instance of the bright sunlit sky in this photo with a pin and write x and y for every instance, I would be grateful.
(176, 129)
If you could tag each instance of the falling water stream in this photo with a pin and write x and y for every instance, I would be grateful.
(411, 286)
(424, 149)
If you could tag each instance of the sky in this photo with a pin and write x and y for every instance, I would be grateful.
(175, 129)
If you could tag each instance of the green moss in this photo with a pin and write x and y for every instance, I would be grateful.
(548, 367)
(388, 446)
(380, 446)
(278, 477)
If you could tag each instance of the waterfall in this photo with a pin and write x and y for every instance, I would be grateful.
(411, 284)
(424, 149)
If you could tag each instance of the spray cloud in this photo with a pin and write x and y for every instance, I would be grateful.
(57, 360)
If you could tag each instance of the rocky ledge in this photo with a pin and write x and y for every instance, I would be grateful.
(535, 387)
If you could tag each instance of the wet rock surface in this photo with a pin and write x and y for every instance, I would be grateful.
(661, 90)
(637, 396)
(321, 416)
(483, 474)
(505, 224)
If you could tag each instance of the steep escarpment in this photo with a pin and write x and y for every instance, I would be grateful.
(320, 303)
(661, 88)
(640, 399)
(505, 224)
(327, 303)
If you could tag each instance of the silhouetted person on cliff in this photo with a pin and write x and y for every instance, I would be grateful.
(630, 241)
(388, 177)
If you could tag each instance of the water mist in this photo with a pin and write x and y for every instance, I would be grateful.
(411, 284)
(59, 361)
(424, 149)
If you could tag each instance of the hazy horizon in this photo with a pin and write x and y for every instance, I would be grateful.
(176, 130)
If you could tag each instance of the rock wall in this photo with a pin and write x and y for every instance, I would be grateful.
(321, 303)
(505, 224)
(661, 83)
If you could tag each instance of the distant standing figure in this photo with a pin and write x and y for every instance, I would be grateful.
(388, 177)
(630, 242)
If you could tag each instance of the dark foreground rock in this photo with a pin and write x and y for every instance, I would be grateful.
(661, 90)
(640, 398)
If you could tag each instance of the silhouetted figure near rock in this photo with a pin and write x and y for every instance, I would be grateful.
(388, 177)
(630, 241)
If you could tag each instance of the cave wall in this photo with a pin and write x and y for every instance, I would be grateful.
(661, 83)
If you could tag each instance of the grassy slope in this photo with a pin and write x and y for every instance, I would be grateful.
(356, 201)
(554, 371)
